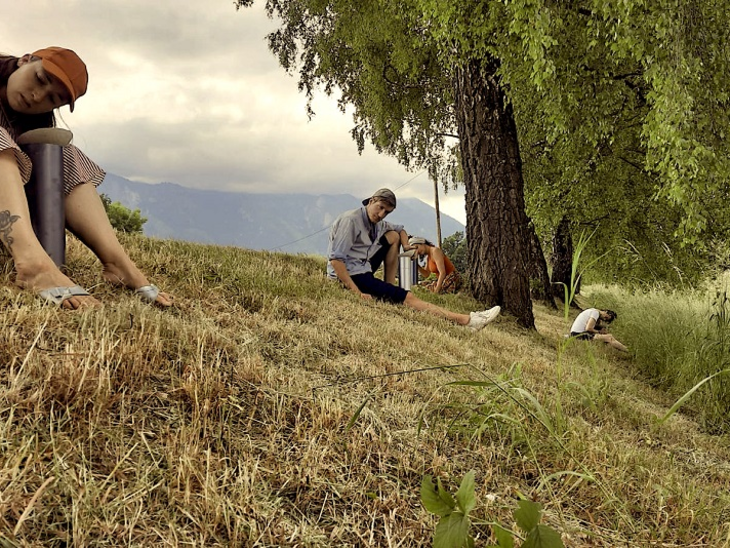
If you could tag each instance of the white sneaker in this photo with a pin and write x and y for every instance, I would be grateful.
(492, 313)
(478, 320)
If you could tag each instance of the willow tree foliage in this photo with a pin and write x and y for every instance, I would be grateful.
(613, 143)
(620, 108)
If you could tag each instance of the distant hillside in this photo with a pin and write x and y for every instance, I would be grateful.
(293, 223)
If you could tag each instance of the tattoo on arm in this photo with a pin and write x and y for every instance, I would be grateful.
(6, 227)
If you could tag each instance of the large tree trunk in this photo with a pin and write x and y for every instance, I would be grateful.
(496, 222)
(562, 260)
(539, 278)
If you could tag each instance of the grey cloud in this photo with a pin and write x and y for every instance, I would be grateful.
(239, 123)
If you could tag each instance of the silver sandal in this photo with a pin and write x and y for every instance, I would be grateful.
(148, 293)
(57, 295)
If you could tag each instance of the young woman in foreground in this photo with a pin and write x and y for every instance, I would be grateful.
(31, 87)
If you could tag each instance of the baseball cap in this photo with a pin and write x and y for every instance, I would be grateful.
(384, 194)
(67, 67)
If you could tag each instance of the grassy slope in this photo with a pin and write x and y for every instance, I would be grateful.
(225, 421)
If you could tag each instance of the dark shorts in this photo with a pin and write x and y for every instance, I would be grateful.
(585, 336)
(383, 291)
(377, 259)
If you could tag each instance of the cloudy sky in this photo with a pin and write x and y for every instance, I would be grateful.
(187, 91)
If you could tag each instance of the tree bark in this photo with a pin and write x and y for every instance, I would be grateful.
(540, 286)
(496, 223)
(562, 260)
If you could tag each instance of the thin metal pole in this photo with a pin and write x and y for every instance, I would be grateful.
(438, 212)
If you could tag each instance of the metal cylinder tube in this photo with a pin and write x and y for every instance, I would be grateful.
(407, 272)
(45, 198)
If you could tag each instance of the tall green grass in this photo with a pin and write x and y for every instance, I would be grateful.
(678, 339)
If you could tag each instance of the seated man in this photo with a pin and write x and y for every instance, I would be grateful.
(587, 326)
(360, 240)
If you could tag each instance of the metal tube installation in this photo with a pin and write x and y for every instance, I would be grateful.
(407, 272)
(45, 198)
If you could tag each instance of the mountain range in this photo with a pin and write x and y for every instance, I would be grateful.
(290, 223)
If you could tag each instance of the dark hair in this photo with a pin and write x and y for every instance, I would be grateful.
(8, 65)
(612, 315)
(21, 122)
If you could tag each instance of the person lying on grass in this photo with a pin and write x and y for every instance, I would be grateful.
(31, 87)
(592, 324)
(361, 240)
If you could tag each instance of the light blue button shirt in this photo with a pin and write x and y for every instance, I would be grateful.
(350, 241)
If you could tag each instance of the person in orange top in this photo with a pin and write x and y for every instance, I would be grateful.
(449, 280)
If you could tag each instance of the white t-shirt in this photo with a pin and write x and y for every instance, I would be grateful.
(580, 324)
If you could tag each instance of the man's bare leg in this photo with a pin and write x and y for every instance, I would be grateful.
(390, 265)
(417, 304)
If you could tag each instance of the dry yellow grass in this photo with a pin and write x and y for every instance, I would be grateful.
(228, 421)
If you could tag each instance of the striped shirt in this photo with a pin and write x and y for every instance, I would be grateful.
(77, 167)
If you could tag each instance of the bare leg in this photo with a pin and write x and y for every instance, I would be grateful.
(390, 264)
(611, 341)
(417, 304)
(87, 219)
(34, 269)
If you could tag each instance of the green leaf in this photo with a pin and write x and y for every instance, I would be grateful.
(539, 411)
(680, 402)
(465, 494)
(431, 499)
(527, 515)
(504, 536)
(445, 495)
(356, 415)
(543, 536)
(452, 531)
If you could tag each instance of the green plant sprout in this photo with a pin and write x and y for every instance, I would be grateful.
(452, 530)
